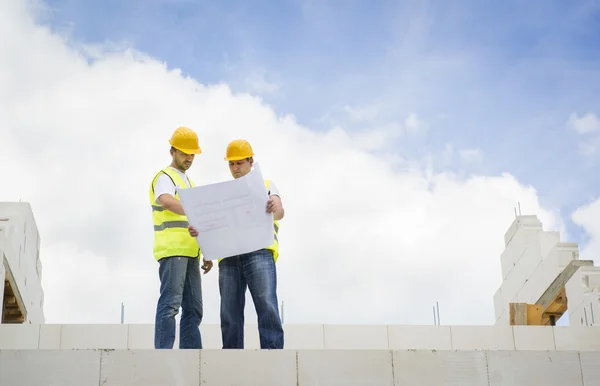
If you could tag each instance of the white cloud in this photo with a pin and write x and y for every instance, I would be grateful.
(413, 123)
(587, 217)
(362, 113)
(256, 82)
(368, 238)
(588, 123)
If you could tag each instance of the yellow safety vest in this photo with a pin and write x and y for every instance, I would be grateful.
(171, 236)
(275, 246)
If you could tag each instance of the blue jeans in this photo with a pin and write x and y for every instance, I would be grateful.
(257, 272)
(180, 286)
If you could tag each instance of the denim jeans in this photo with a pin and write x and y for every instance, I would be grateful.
(180, 286)
(255, 271)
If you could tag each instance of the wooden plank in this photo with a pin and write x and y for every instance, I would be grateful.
(534, 315)
(11, 290)
(558, 284)
(517, 314)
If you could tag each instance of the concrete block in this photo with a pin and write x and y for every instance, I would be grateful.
(509, 257)
(211, 336)
(368, 337)
(482, 338)
(524, 268)
(503, 320)
(500, 305)
(578, 317)
(543, 276)
(50, 336)
(527, 368)
(150, 367)
(304, 337)
(347, 367)
(251, 337)
(534, 338)
(548, 239)
(575, 289)
(50, 367)
(464, 368)
(519, 224)
(589, 367)
(248, 367)
(419, 338)
(94, 336)
(19, 336)
(140, 336)
(577, 338)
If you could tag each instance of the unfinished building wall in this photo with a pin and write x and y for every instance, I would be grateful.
(532, 259)
(23, 296)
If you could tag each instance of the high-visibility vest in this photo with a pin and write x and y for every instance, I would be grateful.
(275, 246)
(171, 235)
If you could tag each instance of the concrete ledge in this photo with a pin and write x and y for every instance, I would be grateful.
(314, 337)
(68, 367)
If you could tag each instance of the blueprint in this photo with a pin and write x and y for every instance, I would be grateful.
(230, 216)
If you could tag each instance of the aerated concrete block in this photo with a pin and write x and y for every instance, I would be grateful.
(150, 367)
(548, 239)
(500, 305)
(94, 336)
(248, 367)
(528, 368)
(589, 367)
(419, 338)
(356, 337)
(50, 336)
(482, 338)
(304, 337)
(50, 368)
(345, 367)
(19, 336)
(577, 338)
(439, 368)
(251, 337)
(529, 338)
(140, 336)
(516, 248)
(211, 336)
(524, 268)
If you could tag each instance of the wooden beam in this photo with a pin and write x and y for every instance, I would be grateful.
(558, 284)
(14, 309)
(551, 305)
(518, 314)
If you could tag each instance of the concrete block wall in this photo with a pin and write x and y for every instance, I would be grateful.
(314, 337)
(583, 296)
(298, 367)
(532, 259)
(20, 252)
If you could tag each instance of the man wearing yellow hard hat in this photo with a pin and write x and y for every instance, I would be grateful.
(255, 271)
(177, 253)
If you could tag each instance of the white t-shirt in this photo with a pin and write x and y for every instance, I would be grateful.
(273, 191)
(164, 184)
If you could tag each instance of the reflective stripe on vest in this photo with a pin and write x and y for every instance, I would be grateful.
(171, 236)
(275, 246)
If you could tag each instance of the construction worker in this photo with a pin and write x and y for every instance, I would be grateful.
(255, 270)
(177, 253)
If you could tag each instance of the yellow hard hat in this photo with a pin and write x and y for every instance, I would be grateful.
(238, 149)
(185, 140)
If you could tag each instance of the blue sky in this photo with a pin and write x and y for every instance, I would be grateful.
(502, 77)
